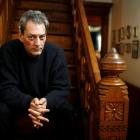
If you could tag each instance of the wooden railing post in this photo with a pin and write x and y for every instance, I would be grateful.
(113, 96)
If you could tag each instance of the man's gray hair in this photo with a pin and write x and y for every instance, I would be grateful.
(35, 16)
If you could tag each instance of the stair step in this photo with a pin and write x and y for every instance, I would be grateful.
(72, 88)
(69, 57)
(58, 16)
(53, 16)
(72, 76)
(44, 5)
(62, 41)
(60, 29)
(54, 1)
(71, 66)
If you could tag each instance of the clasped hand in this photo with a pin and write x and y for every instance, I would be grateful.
(36, 111)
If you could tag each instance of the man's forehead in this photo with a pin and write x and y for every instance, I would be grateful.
(31, 25)
(33, 34)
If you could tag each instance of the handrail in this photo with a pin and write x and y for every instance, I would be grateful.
(88, 41)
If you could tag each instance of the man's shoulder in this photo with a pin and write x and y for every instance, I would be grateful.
(11, 48)
(11, 44)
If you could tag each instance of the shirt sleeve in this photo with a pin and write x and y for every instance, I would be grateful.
(59, 83)
(9, 91)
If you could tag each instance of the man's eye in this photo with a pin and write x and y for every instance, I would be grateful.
(42, 37)
(30, 37)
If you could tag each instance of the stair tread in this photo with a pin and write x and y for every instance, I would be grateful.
(43, 5)
(71, 66)
(53, 1)
(53, 16)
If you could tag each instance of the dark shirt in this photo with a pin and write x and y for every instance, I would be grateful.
(23, 77)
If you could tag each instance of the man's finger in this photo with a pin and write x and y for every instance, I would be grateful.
(37, 122)
(34, 112)
(32, 117)
(36, 101)
(36, 126)
(42, 100)
(43, 110)
(41, 118)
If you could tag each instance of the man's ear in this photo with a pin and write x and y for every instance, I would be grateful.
(21, 37)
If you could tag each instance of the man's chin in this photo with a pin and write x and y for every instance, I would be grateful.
(36, 54)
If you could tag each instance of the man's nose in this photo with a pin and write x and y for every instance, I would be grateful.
(37, 41)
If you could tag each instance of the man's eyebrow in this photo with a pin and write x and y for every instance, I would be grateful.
(30, 34)
(43, 35)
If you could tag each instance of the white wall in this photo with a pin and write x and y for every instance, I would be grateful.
(127, 12)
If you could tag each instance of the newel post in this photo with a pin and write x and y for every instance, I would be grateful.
(113, 96)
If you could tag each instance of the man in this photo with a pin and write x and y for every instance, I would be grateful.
(33, 79)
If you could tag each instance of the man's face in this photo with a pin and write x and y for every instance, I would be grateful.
(34, 38)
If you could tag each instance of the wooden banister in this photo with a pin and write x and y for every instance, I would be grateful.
(88, 41)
